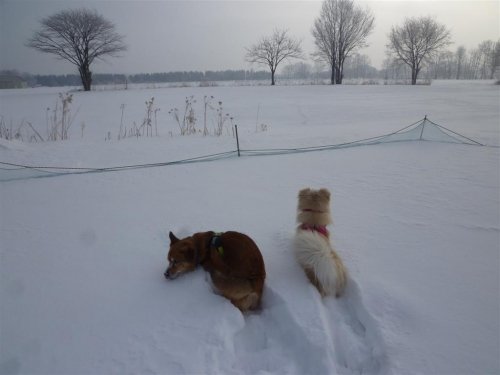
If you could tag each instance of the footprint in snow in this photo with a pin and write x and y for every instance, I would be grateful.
(358, 344)
(272, 341)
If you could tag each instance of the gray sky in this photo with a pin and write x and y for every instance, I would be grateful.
(167, 35)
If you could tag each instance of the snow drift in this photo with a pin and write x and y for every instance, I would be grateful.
(417, 224)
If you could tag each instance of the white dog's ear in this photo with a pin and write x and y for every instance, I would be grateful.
(304, 192)
(173, 239)
(325, 193)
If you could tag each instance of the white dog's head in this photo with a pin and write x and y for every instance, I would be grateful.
(314, 207)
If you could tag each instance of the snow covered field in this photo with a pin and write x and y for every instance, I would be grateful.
(417, 223)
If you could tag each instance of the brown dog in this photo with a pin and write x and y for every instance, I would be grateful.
(233, 260)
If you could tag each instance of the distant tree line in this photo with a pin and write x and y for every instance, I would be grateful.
(478, 63)
(53, 80)
(482, 62)
(196, 76)
(123, 79)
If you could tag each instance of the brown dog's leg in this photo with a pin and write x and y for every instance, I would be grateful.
(252, 301)
(241, 292)
(249, 302)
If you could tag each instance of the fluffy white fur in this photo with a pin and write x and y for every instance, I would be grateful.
(313, 252)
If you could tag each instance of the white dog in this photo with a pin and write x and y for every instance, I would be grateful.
(312, 246)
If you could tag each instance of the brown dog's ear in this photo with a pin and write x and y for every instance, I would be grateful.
(173, 239)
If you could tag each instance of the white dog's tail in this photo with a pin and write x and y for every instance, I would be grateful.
(314, 252)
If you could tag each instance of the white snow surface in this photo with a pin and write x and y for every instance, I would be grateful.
(417, 224)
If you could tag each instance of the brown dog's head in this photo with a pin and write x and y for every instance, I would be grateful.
(181, 256)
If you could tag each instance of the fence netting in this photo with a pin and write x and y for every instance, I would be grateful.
(422, 130)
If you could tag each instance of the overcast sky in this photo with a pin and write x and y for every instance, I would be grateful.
(167, 35)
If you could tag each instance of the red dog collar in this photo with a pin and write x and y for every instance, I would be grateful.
(321, 229)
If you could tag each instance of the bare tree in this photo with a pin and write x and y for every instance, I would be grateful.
(460, 59)
(441, 65)
(416, 40)
(79, 36)
(473, 64)
(490, 58)
(272, 50)
(298, 70)
(394, 69)
(495, 60)
(340, 29)
(359, 66)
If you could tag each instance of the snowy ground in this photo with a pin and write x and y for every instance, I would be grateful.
(417, 223)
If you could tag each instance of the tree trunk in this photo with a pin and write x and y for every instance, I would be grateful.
(339, 77)
(340, 68)
(272, 77)
(332, 77)
(414, 74)
(86, 76)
